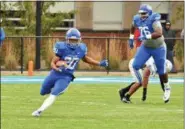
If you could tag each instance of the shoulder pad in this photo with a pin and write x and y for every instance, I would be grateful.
(83, 46)
(60, 45)
(136, 17)
(155, 17)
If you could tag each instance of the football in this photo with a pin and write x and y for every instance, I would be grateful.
(61, 63)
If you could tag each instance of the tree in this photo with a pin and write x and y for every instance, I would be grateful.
(179, 47)
(179, 13)
(26, 13)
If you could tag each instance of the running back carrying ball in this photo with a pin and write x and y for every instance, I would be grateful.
(67, 56)
(61, 63)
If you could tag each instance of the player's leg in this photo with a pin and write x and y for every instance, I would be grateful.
(146, 75)
(59, 87)
(47, 102)
(46, 87)
(161, 82)
(131, 91)
(137, 83)
(48, 84)
(142, 55)
(123, 91)
(159, 56)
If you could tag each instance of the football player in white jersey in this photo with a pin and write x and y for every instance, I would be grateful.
(148, 70)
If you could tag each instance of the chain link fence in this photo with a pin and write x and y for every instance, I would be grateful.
(17, 51)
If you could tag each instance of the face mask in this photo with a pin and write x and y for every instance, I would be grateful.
(143, 16)
(72, 45)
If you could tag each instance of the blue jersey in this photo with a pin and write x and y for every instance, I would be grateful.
(147, 24)
(147, 27)
(71, 55)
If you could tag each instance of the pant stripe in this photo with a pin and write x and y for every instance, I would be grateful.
(138, 76)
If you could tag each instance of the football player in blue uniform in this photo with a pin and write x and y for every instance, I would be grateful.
(2, 34)
(153, 45)
(71, 51)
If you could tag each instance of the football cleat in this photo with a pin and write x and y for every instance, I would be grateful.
(144, 94)
(167, 93)
(126, 99)
(144, 98)
(36, 113)
(121, 94)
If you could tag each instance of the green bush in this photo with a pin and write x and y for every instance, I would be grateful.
(114, 63)
(47, 51)
(179, 51)
(10, 62)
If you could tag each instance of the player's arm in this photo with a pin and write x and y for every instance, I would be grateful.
(131, 37)
(157, 30)
(89, 60)
(57, 50)
(53, 63)
(132, 29)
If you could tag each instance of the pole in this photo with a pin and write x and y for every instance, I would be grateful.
(22, 55)
(38, 33)
(108, 53)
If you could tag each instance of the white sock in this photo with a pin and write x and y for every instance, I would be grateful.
(167, 85)
(47, 103)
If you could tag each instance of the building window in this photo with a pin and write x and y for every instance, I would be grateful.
(65, 7)
(12, 17)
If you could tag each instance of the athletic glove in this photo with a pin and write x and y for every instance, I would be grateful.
(131, 41)
(104, 63)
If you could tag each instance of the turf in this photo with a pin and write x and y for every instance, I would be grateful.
(90, 106)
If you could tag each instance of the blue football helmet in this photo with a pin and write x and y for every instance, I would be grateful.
(145, 11)
(73, 34)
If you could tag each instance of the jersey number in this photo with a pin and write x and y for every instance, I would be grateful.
(71, 62)
(144, 31)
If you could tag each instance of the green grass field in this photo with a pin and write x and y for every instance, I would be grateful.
(91, 106)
